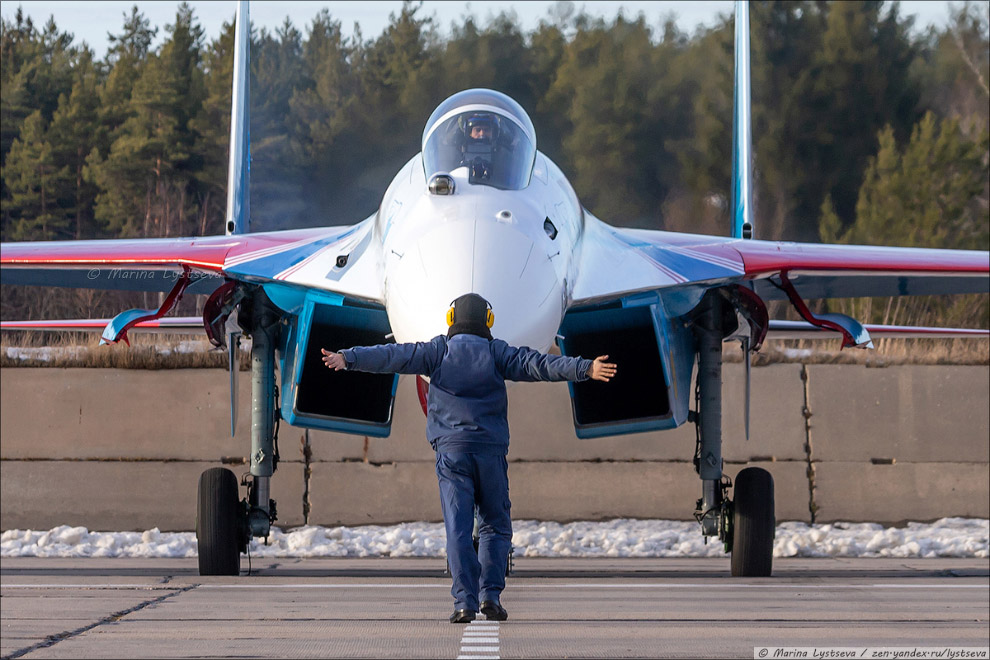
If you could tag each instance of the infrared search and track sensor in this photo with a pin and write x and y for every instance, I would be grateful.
(442, 184)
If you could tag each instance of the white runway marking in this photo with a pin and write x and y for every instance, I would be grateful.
(480, 637)
(160, 587)
(720, 585)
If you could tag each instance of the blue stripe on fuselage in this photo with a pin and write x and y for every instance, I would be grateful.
(274, 264)
(693, 269)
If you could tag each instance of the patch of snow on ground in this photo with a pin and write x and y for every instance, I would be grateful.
(187, 346)
(948, 537)
(49, 353)
(44, 353)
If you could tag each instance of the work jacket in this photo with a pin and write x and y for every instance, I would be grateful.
(467, 405)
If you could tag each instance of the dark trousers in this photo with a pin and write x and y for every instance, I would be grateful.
(467, 480)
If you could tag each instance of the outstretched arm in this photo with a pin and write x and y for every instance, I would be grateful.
(525, 364)
(418, 358)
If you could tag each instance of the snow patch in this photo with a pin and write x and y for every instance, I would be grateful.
(948, 537)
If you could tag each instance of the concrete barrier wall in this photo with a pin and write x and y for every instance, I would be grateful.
(122, 449)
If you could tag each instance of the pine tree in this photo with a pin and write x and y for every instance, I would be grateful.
(924, 194)
(76, 131)
(212, 126)
(276, 176)
(921, 195)
(603, 86)
(858, 82)
(324, 111)
(151, 161)
(546, 47)
(35, 71)
(38, 186)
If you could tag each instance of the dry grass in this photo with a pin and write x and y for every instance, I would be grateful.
(171, 352)
(888, 352)
(145, 352)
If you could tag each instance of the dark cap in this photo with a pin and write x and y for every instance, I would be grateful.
(470, 315)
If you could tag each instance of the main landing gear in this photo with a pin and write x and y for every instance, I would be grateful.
(746, 524)
(753, 524)
(220, 524)
(224, 523)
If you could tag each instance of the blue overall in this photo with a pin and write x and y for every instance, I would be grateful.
(467, 425)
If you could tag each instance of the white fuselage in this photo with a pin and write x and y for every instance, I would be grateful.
(480, 240)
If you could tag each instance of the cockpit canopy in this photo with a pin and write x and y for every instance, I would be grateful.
(486, 132)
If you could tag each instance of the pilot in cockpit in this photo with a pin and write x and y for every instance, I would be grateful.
(479, 144)
(485, 133)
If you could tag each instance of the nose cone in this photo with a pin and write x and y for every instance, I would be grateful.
(487, 257)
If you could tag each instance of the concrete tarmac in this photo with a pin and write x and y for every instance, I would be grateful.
(398, 608)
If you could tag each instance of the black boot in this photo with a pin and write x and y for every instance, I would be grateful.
(462, 616)
(493, 611)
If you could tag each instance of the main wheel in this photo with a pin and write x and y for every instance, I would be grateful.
(218, 523)
(753, 524)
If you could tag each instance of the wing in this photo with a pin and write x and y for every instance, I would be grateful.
(306, 257)
(614, 263)
(173, 325)
(804, 330)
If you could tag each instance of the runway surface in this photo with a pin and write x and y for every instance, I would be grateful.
(398, 608)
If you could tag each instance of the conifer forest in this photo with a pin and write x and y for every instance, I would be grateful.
(866, 129)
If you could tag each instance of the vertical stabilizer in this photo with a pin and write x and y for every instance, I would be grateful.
(742, 137)
(239, 168)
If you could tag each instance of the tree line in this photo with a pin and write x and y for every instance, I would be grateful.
(865, 129)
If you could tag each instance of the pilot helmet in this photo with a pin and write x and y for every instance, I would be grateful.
(480, 120)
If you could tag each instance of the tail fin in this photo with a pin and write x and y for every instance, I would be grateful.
(742, 137)
(239, 169)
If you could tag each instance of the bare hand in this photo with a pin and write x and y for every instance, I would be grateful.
(333, 361)
(602, 370)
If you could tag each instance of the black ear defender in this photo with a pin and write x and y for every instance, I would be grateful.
(467, 301)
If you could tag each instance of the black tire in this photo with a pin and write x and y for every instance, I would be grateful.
(753, 524)
(218, 523)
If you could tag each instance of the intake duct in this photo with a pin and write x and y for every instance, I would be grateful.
(637, 398)
(344, 401)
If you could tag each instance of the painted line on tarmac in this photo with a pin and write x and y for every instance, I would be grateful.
(632, 585)
(146, 587)
(172, 586)
(473, 646)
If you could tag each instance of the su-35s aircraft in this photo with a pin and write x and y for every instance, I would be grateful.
(481, 210)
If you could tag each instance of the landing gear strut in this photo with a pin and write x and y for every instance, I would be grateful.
(746, 525)
(225, 524)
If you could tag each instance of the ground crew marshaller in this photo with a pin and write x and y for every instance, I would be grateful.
(467, 426)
